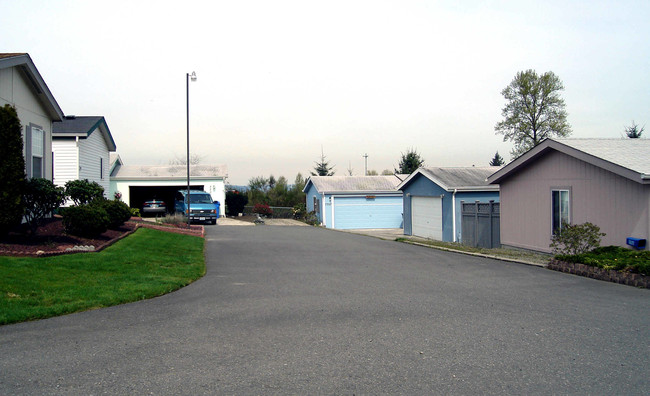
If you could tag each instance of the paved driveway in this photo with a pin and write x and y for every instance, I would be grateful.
(303, 310)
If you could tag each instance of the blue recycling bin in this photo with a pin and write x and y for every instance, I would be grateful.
(218, 208)
(636, 243)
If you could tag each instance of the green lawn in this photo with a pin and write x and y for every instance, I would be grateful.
(145, 264)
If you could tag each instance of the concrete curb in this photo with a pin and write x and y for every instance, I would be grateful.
(490, 256)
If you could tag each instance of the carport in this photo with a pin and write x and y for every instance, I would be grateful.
(139, 194)
(140, 183)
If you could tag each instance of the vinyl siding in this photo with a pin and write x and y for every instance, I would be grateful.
(619, 206)
(15, 90)
(66, 160)
(91, 149)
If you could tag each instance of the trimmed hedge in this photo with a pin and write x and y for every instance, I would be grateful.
(86, 221)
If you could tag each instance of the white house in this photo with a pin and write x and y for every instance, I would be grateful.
(140, 183)
(22, 87)
(81, 147)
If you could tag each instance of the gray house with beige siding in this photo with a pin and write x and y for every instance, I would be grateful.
(602, 181)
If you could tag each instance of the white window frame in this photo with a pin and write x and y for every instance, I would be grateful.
(561, 208)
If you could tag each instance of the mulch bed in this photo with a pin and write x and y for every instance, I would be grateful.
(622, 277)
(50, 239)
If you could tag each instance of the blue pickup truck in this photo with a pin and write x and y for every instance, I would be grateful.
(201, 205)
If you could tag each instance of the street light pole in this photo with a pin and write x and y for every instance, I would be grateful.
(187, 86)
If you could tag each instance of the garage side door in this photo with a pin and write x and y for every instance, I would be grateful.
(361, 212)
(426, 217)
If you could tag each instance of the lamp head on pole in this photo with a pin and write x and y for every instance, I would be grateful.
(192, 76)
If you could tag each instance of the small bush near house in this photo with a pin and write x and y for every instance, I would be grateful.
(262, 209)
(299, 211)
(82, 192)
(12, 170)
(41, 198)
(174, 219)
(613, 258)
(311, 218)
(118, 212)
(135, 212)
(85, 220)
(576, 239)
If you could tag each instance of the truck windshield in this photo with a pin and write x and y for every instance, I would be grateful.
(200, 199)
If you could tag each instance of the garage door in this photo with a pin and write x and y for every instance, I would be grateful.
(362, 212)
(426, 217)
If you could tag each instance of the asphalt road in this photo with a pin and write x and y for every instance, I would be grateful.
(303, 310)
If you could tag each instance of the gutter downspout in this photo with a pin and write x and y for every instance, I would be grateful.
(453, 213)
(322, 210)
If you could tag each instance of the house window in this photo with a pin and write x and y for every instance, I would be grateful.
(101, 168)
(37, 152)
(560, 209)
(317, 206)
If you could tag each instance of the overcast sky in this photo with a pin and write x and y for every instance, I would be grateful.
(278, 80)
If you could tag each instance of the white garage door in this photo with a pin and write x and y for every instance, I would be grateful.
(426, 217)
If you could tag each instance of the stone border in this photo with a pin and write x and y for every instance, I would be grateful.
(622, 277)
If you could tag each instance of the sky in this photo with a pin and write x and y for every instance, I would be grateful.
(279, 81)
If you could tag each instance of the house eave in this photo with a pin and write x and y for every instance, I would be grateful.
(24, 63)
(550, 144)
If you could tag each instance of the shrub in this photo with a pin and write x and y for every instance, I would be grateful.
(311, 218)
(174, 219)
(576, 239)
(41, 197)
(85, 220)
(12, 170)
(135, 212)
(83, 191)
(299, 211)
(118, 212)
(613, 258)
(263, 209)
(235, 202)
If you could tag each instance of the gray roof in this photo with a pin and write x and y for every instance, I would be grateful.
(23, 62)
(354, 184)
(83, 126)
(457, 178)
(629, 158)
(633, 154)
(169, 172)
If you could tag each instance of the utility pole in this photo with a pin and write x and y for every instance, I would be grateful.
(366, 168)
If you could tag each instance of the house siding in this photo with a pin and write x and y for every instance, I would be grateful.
(310, 194)
(619, 206)
(91, 149)
(66, 156)
(15, 90)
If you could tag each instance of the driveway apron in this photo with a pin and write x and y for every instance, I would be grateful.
(305, 310)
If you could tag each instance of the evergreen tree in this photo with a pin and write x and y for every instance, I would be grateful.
(497, 160)
(12, 170)
(409, 162)
(633, 131)
(323, 167)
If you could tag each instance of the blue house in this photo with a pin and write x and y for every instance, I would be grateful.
(355, 202)
(432, 199)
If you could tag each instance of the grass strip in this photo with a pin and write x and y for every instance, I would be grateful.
(146, 264)
(512, 254)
